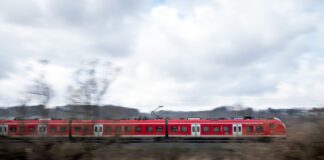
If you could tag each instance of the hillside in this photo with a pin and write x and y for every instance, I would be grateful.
(120, 112)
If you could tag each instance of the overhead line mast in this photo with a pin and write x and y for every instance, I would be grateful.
(155, 115)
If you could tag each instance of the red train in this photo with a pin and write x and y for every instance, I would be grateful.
(191, 128)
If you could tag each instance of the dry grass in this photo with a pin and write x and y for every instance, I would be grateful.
(304, 142)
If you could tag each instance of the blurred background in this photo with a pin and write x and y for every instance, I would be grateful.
(109, 59)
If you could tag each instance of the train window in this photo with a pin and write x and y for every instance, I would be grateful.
(138, 129)
(77, 129)
(159, 128)
(86, 129)
(13, 129)
(216, 129)
(259, 129)
(63, 129)
(149, 129)
(249, 129)
(108, 129)
(31, 129)
(118, 129)
(0, 129)
(206, 129)
(174, 128)
(226, 129)
(22, 129)
(128, 128)
(184, 129)
(271, 125)
(53, 129)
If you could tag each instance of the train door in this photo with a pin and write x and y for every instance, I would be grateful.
(42, 129)
(237, 130)
(98, 130)
(3, 130)
(195, 130)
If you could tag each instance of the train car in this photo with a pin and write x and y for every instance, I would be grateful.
(34, 128)
(130, 128)
(83, 128)
(228, 128)
(160, 129)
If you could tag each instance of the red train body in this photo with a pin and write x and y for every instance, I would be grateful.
(160, 128)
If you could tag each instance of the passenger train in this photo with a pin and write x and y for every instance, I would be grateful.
(157, 129)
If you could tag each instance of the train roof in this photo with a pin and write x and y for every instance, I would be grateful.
(241, 120)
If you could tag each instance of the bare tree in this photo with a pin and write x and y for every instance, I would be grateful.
(39, 90)
(91, 82)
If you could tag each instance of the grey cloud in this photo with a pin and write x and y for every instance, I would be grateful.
(264, 47)
(9, 53)
(244, 67)
(103, 12)
(5, 67)
(109, 26)
(19, 11)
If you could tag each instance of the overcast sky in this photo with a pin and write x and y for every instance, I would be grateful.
(183, 54)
